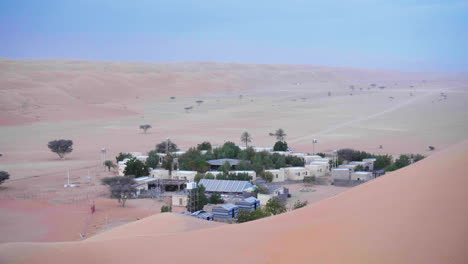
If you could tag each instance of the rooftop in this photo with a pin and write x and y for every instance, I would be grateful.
(224, 185)
(219, 162)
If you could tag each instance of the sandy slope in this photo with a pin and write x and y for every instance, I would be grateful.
(415, 215)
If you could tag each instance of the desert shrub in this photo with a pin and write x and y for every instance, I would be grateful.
(166, 209)
(274, 206)
(246, 216)
(299, 204)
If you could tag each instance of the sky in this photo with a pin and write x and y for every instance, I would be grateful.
(400, 34)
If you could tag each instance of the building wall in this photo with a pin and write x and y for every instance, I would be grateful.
(317, 170)
(296, 174)
(362, 176)
(160, 174)
(340, 174)
(264, 198)
(189, 176)
(278, 175)
(179, 200)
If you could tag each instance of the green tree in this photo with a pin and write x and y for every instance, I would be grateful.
(204, 146)
(61, 147)
(274, 206)
(321, 154)
(109, 164)
(193, 160)
(246, 138)
(198, 177)
(246, 216)
(280, 146)
(123, 156)
(244, 165)
(145, 127)
(153, 160)
(298, 204)
(197, 199)
(216, 199)
(161, 147)
(226, 167)
(382, 161)
(417, 157)
(209, 176)
(136, 168)
(228, 151)
(267, 176)
(402, 161)
(4, 176)
(280, 162)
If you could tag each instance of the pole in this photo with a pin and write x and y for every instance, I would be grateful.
(68, 177)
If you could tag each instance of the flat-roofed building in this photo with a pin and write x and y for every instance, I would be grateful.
(180, 198)
(160, 174)
(183, 175)
(340, 174)
(317, 170)
(278, 175)
(296, 173)
(361, 176)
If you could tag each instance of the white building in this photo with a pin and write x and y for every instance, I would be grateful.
(347, 166)
(160, 174)
(361, 176)
(183, 175)
(278, 175)
(340, 174)
(295, 173)
(317, 170)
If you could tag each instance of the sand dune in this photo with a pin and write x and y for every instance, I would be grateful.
(414, 215)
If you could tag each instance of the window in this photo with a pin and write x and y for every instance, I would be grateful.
(276, 176)
(180, 201)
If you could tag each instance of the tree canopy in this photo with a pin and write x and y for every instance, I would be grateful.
(161, 147)
(4, 176)
(123, 156)
(246, 138)
(121, 188)
(136, 168)
(145, 127)
(61, 147)
(280, 146)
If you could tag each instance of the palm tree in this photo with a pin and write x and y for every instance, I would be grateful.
(109, 164)
(246, 138)
(280, 134)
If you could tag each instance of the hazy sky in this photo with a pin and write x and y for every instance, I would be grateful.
(406, 34)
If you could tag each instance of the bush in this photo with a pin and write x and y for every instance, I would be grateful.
(153, 160)
(261, 189)
(123, 156)
(215, 199)
(298, 204)
(204, 146)
(166, 209)
(267, 176)
(359, 168)
(246, 216)
(274, 206)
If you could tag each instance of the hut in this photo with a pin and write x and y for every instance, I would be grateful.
(226, 211)
(296, 173)
(249, 204)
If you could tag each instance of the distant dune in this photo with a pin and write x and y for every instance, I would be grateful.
(414, 215)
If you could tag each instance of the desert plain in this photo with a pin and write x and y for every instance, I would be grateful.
(100, 104)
